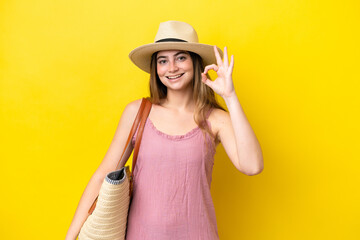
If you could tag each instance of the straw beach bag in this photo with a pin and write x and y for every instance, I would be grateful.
(108, 213)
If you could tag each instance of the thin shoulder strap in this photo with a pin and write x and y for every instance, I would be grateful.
(209, 112)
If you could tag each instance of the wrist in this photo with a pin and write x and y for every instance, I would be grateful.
(230, 98)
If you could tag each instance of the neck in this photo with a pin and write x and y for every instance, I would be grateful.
(179, 100)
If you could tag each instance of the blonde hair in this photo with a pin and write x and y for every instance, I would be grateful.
(203, 95)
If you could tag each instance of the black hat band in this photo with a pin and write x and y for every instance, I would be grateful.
(170, 40)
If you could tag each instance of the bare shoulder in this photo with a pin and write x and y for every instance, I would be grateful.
(133, 107)
(129, 114)
(131, 110)
(218, 118)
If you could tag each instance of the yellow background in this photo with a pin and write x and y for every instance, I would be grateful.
(65, 78)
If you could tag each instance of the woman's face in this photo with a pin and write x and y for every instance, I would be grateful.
(175, 68)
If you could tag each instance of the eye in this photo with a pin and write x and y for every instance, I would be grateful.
(182, 58)
(162, 61)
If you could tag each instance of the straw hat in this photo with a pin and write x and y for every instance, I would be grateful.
(177, 36)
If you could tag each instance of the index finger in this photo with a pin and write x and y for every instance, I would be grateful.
(217, 55)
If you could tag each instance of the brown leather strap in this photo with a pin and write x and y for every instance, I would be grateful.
(141, 115)
(135, 125)
(140, 132)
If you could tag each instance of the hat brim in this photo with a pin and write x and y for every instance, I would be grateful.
(141, 56)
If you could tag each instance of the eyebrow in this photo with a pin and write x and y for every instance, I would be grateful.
(178, 53)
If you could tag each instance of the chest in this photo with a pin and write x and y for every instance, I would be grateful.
(192, 149)
(172, 123)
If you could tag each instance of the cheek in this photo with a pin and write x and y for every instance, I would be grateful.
(190, 69)
(189, 66)
(160, 71)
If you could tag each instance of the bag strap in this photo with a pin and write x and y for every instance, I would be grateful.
(145, 115)
(141, 117)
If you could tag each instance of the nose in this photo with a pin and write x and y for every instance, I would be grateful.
(173, 66)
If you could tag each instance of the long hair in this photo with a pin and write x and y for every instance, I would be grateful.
(203, 95)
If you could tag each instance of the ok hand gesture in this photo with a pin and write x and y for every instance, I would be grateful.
(223, 84)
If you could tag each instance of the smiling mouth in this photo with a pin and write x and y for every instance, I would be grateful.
(175, 77)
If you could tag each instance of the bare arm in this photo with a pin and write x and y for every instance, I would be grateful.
(108, 164)
(234, 130)
(238, 138)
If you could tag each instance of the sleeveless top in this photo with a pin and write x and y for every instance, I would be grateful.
(171, 191)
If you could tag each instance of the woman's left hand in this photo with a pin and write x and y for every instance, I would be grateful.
(223, 84)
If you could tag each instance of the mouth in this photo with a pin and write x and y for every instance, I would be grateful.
(174, 77)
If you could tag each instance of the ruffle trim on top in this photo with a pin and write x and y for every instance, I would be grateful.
(184, 136)
(173, 137)
(177, 137)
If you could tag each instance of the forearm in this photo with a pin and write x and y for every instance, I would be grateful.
(81, 213)
(248, 148)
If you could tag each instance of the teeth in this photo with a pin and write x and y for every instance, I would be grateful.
(174, 76)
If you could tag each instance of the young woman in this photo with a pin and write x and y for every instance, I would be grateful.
(172, 177)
